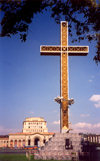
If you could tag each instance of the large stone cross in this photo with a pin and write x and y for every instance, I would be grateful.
(64, 51)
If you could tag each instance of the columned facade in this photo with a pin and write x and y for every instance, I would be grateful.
(19, 140)
(34, 132)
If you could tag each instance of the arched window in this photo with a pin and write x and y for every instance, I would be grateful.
(15, 143)
(11, 143)
(23, 143)
(19, 143)
(44, 141)
(29, 142)
(36, 141)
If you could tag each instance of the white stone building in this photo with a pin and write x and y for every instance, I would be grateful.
(35, 124)
(34, 132)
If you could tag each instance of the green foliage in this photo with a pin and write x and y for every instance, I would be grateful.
(83, 17)
(18, 15)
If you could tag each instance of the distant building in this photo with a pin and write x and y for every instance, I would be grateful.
(35, 124)
(34, 132)
(4, 140)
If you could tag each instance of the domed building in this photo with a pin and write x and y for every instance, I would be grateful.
(34, 132)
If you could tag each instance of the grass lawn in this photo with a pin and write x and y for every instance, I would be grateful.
(13, 157)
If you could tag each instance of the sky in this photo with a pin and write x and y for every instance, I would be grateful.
(30, 82)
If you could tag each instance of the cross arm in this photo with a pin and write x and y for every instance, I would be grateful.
(50, 50)
(71, 50)
(78, 50)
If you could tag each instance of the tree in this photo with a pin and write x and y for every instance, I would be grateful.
(82, 15)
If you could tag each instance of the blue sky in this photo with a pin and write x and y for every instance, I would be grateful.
(30, 82)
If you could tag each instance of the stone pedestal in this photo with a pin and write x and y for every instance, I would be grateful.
(62, 146)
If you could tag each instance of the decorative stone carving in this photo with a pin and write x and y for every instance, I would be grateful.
(63, 51)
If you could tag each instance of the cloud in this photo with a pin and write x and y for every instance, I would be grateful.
(97, 125)
(86, 127)
(85, 115)
(90, 80)
(97, 105)
(95, 98)
(5, 131)
(56, 122)
(82, 125)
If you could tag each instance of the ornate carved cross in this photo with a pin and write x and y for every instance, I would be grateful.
(64, 51)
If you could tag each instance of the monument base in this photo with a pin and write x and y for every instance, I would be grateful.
(62, 146)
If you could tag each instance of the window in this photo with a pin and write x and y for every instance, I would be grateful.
(44, 141)
(29, 142)
(68, 144)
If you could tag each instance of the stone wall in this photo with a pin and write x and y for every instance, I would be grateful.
(61, 147)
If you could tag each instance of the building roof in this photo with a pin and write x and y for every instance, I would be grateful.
(4, 136)
(41, 133)
(34, 119)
